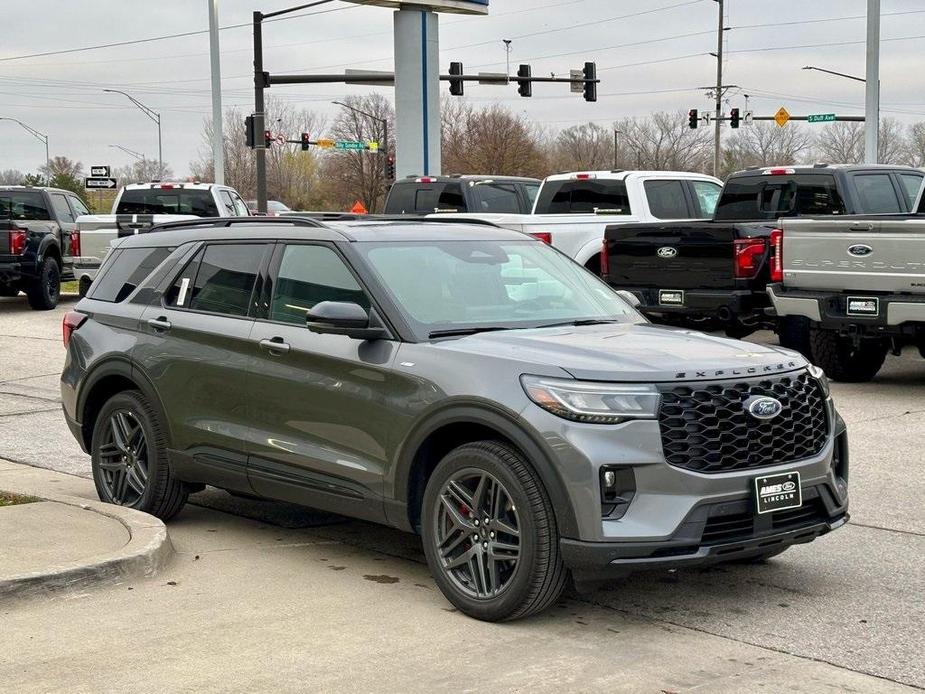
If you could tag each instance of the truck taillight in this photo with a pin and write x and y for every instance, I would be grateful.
(75, 243)
(605, 259)
(748, 256)
(72, 321)
(18, 241)
(543, 236)
(777, 255)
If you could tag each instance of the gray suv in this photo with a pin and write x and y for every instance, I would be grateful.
(467, 383)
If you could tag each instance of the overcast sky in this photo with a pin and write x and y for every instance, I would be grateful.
(654, 60)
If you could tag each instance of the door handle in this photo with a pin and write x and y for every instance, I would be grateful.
(275, 346)
(861, 227)
(160, 324)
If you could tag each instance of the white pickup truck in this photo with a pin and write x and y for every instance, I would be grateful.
(573, 209)
(140, 206)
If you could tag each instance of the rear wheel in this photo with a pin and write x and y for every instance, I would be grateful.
(490, 534)
(793, 333)
(45, 290)
(843, 359)
(129, 458)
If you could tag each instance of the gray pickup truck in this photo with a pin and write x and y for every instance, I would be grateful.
(861, 282)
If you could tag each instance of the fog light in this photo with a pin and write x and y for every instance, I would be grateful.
(610, 478)
(618, 487)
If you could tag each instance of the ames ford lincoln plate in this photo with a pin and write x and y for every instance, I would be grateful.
(467, 383)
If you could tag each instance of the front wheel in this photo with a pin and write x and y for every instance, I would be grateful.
(490, 534)
(129, 458)
(45, 290)
(843, 359)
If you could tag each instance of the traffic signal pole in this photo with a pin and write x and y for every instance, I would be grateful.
(719, 92)
(259, 115)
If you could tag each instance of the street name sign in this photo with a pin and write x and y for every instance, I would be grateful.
(459, 6)
(820, 118)
(103, 182)
(781, 117)
(349, 144)
(100, 171)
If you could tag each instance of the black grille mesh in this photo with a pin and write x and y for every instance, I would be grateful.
(706, 427)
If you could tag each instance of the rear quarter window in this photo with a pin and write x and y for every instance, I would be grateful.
(128, 268)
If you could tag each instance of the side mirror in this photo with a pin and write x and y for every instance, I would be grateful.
(343, 318)
(629, 297)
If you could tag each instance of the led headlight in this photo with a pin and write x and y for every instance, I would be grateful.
(820, 377)
(591, 402)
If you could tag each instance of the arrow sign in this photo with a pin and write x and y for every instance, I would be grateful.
(97, 171)
(100, 183)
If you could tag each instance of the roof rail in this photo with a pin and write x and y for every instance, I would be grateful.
(231, 221)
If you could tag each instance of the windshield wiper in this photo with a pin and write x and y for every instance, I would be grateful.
(456, 332)
(584, 321)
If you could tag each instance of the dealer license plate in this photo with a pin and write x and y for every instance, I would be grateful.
(778, 492)
(671, 297)
(863, 306)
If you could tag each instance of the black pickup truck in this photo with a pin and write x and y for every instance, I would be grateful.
(712, 273)
(39, 241)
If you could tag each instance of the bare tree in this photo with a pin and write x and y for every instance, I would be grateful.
(588, 146)
(11, 177)
(142, 171)
(63, 166)
(766, 144)
(663, 141)
(843, 143)
(915, 145)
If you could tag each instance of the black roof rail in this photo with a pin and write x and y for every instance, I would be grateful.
(217, 222)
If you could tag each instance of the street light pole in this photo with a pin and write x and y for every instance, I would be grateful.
(41, 137)
(130, 152)
(717, 142)
(385, 133)
(153, 115)
(872, 97)
(218, 140)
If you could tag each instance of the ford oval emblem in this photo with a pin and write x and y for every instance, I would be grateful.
(859, 250)
(667, 252)
(762, 407)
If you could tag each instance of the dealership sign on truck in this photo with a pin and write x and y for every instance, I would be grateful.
(458, 6)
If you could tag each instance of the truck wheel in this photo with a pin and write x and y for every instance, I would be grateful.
(844, 361)
(490, 534)
(793, 333)
(129, 458)
(44, 292)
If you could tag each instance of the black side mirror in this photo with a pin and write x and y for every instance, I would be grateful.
(343, 318)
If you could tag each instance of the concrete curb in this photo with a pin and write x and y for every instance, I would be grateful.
(146, 553)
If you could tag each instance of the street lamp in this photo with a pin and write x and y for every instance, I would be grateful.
(41, 137)
(130, 152)
(385, 132)
(871, 139)
(153, 115)
(833, 72)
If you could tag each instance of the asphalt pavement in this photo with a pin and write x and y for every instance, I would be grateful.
(844, 613)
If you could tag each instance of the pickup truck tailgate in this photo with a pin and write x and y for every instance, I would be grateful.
(680, 256)
(859, 255)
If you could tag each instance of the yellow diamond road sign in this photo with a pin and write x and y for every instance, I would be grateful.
(325, 144)
(781, 117)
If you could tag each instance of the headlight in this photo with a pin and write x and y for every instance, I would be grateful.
(820, 377)
(593, 403)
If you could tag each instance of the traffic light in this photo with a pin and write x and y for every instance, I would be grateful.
(306, 141)
(457, 86)
(250, 132)
(590, 81)
(692, 119)
(734, 118)
(390, 167)
(524, 83)
(268, 138)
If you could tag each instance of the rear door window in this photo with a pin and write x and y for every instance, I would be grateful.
(531, 190)
(125, 272)
(706, 195)
(667, 199)
(62, 210)
(78, 206)
(25, 205)
(911, 184)
(225, 279)
(876, 193)
(496, 197)
(225, 198)
(585, 196)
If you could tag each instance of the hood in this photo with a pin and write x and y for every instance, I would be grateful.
(631, 352)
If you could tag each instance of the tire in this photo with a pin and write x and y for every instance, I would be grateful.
(793, 333)
(45, 291)
(512, 590)
(135, 473)
(842, 360)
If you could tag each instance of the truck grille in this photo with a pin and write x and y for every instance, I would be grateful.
(706, 427)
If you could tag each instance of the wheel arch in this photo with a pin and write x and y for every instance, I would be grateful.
(453, 427)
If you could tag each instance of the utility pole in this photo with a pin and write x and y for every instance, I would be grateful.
(507, 52)
(719, 90)
(259, 116)
(218, 140)
(872, 99)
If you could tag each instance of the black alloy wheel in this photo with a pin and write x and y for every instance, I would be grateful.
(123, 458)
(478, 533)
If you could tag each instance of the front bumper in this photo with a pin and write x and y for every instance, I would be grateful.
(897, 314)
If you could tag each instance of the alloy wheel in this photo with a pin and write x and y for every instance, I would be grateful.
(123, 458)
(477, 531)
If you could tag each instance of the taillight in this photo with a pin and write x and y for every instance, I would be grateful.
(75, 243)
(18, 241)
(748, 256)
(777, 255)
(605, 259)
(543, 236)
(72, 321)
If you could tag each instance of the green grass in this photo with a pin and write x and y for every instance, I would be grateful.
(9, 499)
(69, 287)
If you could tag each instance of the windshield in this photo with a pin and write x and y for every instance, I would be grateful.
(197, 202)
(453, 285)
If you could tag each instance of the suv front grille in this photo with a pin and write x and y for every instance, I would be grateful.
(706, 427)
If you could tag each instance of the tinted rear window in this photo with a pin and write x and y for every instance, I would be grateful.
(769, 197)
(425, 198)
(563, 197)
(167, 201)
(23, 205)
(129, 268)
(667, 199)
